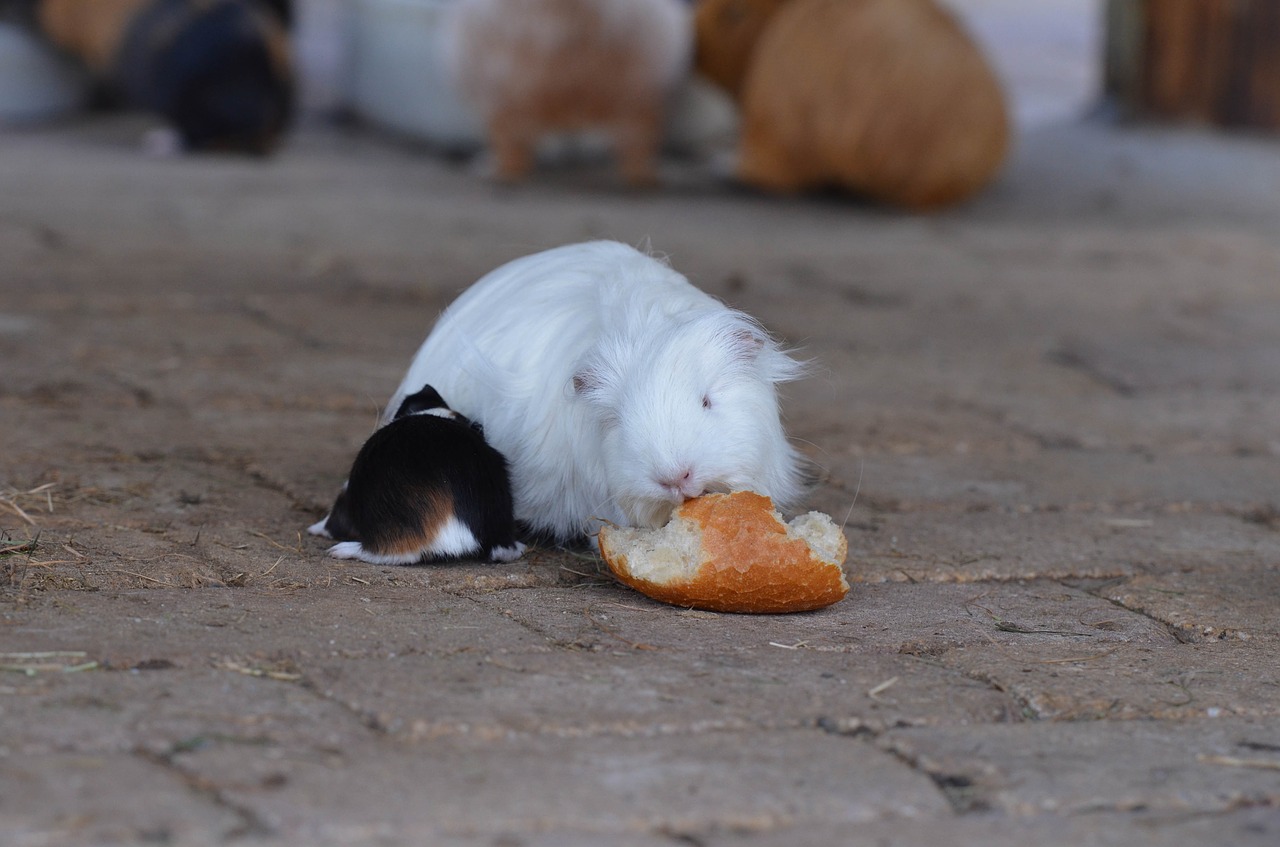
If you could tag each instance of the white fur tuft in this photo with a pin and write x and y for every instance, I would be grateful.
(454, 539)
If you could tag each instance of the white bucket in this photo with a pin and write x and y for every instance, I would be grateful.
(36, 83)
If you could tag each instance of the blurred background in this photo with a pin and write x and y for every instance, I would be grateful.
(1048, 53)
(384, 64)
(899, 103)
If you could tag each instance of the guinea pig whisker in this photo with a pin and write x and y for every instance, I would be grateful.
(856, 489)
(611, 500)
(815, 445)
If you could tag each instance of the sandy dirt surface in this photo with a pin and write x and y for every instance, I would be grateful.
(1048, 421)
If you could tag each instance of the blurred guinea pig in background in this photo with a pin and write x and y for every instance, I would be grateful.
(889, 99)
(535, 68)
(219, 71)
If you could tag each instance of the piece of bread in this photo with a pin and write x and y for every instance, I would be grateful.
(732, 553)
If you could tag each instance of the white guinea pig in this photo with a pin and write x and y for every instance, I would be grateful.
(614, 387)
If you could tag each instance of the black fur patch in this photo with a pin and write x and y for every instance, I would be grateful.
(338, 524)
(213, 69)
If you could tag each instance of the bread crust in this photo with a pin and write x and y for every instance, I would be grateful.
(749, 563)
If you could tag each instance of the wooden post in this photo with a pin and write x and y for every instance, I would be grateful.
(1202, 61)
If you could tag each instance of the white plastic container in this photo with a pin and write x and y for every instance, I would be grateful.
(398, 80)
(36, 84)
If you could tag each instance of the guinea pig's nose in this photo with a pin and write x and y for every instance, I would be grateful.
(681, 483)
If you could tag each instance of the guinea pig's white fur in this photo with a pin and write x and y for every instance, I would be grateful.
(531, 68)
(613, 386)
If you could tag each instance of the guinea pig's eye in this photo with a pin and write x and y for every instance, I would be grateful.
(706, 401)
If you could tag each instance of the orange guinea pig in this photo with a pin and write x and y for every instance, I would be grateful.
(531, 68)
(890, 99)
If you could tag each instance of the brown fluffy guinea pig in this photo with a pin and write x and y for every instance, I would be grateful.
(533, 68)
(890, 99)
(219, 71)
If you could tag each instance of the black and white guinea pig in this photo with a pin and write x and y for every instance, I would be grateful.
(219, 71)
(426, 486)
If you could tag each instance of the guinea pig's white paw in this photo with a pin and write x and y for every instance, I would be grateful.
(347, 550)
(356, 550)
(319, 528)
(507, 554)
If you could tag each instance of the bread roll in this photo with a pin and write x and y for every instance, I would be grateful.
(732, 553)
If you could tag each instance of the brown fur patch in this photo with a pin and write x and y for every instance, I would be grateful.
(726, 32)
(434, 507)
(90, 30)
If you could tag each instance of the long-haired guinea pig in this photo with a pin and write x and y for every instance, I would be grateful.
(890, 99)
(424, 487)
(533, 68)
(219, 71)
(614, 387)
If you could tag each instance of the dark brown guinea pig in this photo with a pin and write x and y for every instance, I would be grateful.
(219, 71)
(425, 487)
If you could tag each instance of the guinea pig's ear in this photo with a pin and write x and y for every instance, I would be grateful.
(587, 381)
(750, 345)
(746, 343)
(421, 401)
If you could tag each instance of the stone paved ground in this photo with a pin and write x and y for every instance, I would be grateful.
(1052, 420)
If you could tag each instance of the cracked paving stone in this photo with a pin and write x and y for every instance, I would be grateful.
(744, 781)
(652, 693)
(162, 710)
(924, 546)
(1028, 769)
(1223, 601)
(1222, 422)
(90, 799)
(921, 619)
(194, 629)
(1149, 358)
(1245, 827)
(1114, 479)
(1092, 681)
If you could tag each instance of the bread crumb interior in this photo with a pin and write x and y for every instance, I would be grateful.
(821, 534)
(672, 553)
